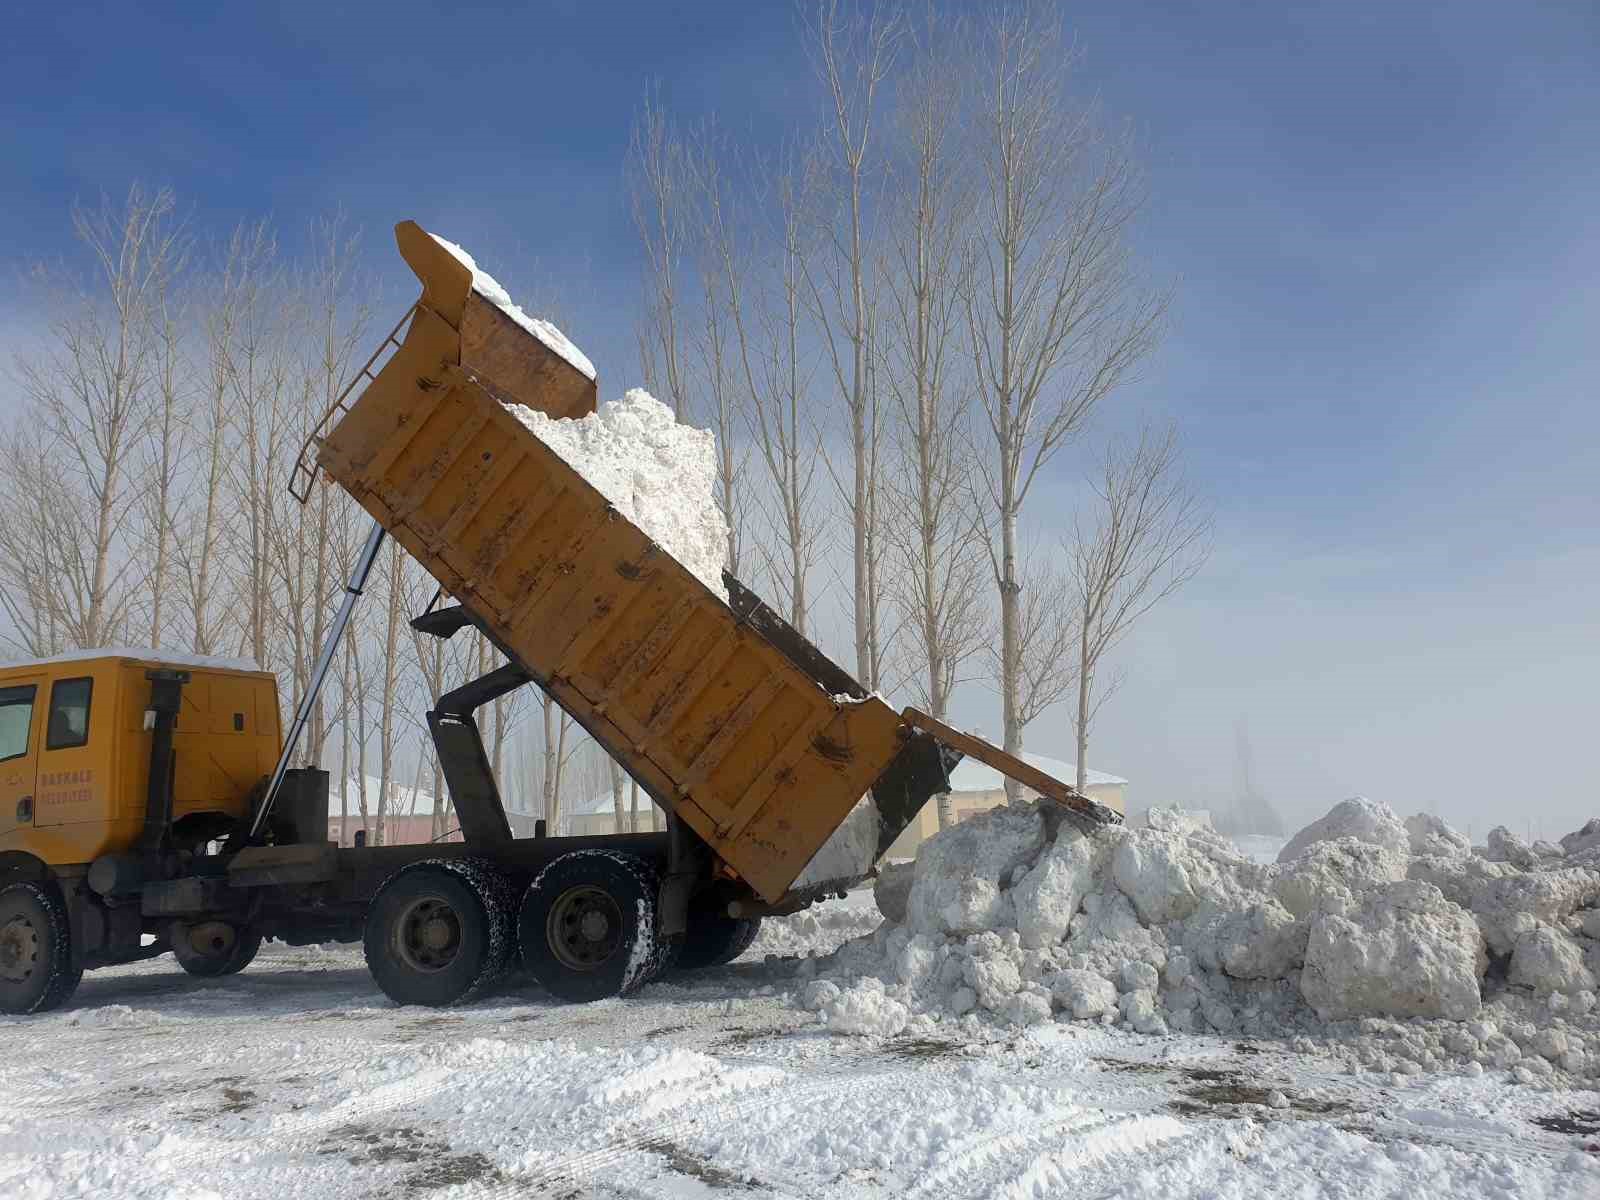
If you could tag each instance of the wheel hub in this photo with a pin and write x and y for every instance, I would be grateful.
(428, 934)
(212, 939)
(585, 927)
(19, 949)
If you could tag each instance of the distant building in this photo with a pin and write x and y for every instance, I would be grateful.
(408, 815)
(976, 787)
(598, 815)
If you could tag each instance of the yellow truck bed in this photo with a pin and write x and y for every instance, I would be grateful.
(726, 715)
(717, 723)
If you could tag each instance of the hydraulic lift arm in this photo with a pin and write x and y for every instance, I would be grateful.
(319, 674)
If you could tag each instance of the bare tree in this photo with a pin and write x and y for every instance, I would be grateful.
(338, 313)
(726, 401)
(853, 47)
(258, 374)
(934, 540)
(35, 532)
(556, 726)
(203, 546)
(1147, 537)
(1056, 317)
(619, 792)
(93, 394)
(1048, 619)
(786, 440)
(661, 183)
(165, 452)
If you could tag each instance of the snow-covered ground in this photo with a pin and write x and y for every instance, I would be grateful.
(299, 1079)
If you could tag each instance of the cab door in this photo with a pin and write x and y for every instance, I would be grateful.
(20, 702)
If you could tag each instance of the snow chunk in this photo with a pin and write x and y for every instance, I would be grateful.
(1264, 941)
(1048, 897)
(1084, 994)
(1405, 951)
(1172, 819)
(659, 474)
(1343, 866)
(1504, 846)
(1505, 900)
(1358, 817)
(865, 1011)
(1149, 867)
(1429, 835)
(489, 288)
(960, 870)
(1582, 839)
(1547, 960)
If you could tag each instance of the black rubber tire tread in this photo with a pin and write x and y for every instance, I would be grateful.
(56, 976)
(634, 885)
(481, 897)
(666, 955)
(714, 939)
(246, 945)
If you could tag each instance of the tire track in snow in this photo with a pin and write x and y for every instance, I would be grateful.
(968, 1167)
(633, 1137)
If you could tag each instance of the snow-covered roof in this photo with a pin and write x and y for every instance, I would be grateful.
(403, 799)
(973, 776)
(143, 654)
(602, 805)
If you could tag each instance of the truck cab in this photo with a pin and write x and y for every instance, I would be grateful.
(78, 836)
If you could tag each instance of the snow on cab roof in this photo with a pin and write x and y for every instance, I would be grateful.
(971, 775)
(144, 654)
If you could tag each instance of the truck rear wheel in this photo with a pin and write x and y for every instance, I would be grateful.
(438, 932)
(211, 949)
(587, 925)
(36, 967)
(715, 938)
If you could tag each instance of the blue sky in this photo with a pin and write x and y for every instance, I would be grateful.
(1378, 217)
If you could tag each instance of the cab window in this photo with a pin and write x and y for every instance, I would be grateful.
(69, 714)
(16, 716)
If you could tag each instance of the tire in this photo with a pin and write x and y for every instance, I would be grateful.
(587, 925)
(36, 968)
(212, 949)
(439, 932)
(713, 939)
(666, 955)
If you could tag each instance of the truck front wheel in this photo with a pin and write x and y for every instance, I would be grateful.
(438, 932)
(211, 949)
(36, 968)
(587, 926)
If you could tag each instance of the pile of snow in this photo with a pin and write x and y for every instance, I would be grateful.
(1387, 943)
(489, 288)
(816, 931)
(659, 474)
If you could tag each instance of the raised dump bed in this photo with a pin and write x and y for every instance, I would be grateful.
(723, 713)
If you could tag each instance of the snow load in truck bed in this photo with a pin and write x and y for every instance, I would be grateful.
(659, 474)
(487, 286)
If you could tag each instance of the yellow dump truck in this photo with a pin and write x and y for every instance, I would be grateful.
(176, 824)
